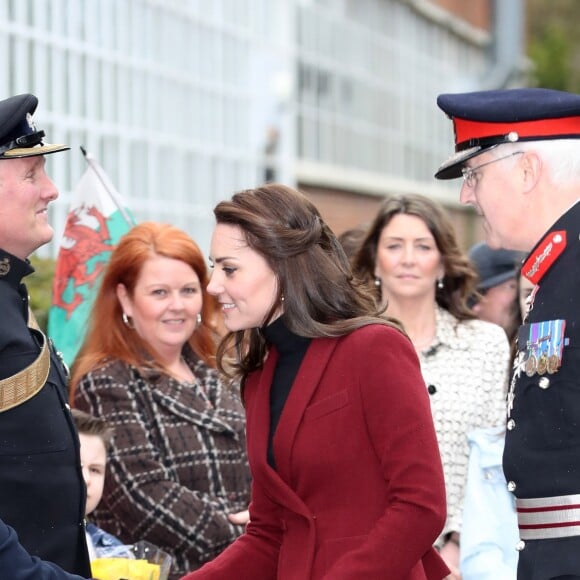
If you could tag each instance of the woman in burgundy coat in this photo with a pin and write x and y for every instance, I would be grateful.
(347, 477)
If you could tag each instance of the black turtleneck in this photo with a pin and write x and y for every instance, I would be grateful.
(291, 349)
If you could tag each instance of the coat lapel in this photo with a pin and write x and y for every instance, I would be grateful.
(277, 483)
(258, 412)
(257, 399)
(303, 388)
(193, 411)
(183, 401)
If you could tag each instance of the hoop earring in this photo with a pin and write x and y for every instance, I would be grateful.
(198, 320)
(440, 283)
(128, 323)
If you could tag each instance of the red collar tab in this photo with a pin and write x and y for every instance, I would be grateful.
(467, 132)
(545, 254)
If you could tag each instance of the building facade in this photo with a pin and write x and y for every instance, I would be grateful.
(184, 102)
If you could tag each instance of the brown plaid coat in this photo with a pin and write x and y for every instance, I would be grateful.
(178, 462)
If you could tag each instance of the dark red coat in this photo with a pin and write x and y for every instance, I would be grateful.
(359, 489)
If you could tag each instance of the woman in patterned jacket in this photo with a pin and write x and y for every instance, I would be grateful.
(412, 259)
(178, 473)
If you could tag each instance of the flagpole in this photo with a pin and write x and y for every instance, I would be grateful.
(112, 194)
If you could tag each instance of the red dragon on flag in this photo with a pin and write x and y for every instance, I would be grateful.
(96, 221)
(80, 244)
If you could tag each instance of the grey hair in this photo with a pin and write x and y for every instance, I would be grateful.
(561, 156)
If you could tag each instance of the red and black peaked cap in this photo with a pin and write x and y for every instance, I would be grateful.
(485, 119)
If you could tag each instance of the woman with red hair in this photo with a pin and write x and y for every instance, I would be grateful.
(178, 474)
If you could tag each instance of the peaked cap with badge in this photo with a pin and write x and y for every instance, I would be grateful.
(19, 137)
(42, 493)
(541, 459)
(485, 119)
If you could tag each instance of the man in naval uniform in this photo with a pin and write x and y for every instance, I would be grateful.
(42, 494)
(518, 152)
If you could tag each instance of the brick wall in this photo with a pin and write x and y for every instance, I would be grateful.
(342, 210)
(475, 12)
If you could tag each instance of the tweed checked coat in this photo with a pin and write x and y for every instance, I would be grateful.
(177, 466)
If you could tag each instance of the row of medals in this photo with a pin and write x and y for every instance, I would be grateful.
(542, 364)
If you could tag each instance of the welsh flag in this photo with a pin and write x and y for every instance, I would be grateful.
(96, 221)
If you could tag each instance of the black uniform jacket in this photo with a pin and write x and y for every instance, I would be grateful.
(17, 564)
(542, 449)
(42, 492)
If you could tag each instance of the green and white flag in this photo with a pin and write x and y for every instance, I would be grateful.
(97, 219)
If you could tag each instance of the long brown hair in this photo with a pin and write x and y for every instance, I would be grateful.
(321, 297)
(108, 337)
(460, 277)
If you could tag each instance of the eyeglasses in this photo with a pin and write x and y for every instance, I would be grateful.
(469, 172)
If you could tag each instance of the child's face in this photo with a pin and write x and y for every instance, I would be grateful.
(94, 461)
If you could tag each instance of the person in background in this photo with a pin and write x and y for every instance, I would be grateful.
(177, 466)
(411, 258)
(347, 478)
(95, 437)
(497, 286)
(518, 151)
(42, 493)
(525, 290)
(351, 240)
(490, 526)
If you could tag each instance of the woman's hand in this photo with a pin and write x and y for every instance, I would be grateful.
(240, 518)
(450, 554)
(455, 575)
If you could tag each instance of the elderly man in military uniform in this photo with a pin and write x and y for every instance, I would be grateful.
(42, 494)
(518, 151)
